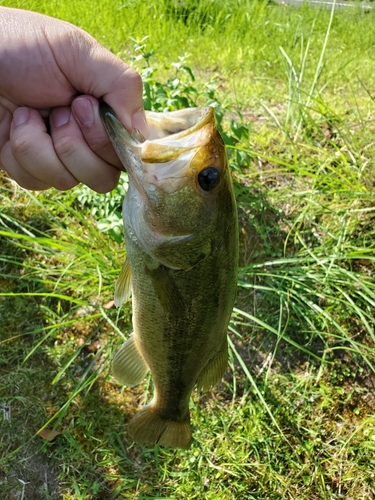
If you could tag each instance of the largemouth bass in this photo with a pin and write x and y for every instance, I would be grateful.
(181, 237)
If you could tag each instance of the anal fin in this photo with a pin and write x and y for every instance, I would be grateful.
(213, 372)
(123, 287)
(128, 366)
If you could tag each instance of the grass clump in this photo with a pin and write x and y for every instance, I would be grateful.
(293, 417)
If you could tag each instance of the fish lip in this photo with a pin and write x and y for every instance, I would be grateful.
(202, 116)
(110, 121)
(126, 145)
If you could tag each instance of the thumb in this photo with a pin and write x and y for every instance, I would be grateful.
(120, 86)
(94, 70)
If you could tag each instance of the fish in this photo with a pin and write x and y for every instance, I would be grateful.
(181, 237)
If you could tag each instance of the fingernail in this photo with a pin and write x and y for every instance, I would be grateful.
(139, 122)
(60, 116)
(20, 116)
(83, 111)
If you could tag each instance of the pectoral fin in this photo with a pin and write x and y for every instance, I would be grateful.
(123, 286)
(213, 372)
(129, 367)
(167, 291)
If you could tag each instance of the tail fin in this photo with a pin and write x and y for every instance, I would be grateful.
(147, 427)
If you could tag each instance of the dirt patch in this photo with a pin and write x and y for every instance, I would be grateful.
(30, 477)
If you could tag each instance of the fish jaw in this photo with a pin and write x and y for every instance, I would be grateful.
(119, 135)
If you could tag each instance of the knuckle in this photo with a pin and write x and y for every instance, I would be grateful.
(134, 78)
(64, 147)
(98, 143)
(63, 182)
(22, 145)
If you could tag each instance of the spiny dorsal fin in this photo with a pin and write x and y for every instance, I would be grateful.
(123, 286)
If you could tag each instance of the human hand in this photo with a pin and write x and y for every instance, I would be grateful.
(53, 75)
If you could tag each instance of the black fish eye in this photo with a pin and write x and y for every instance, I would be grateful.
(208, 178)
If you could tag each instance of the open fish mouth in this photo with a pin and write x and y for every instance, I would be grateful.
(171, 133)
(182, 122)
(175, 137)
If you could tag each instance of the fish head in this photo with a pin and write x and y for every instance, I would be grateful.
(179, 178)
(184, 171)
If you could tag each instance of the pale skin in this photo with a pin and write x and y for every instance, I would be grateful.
(52, 76)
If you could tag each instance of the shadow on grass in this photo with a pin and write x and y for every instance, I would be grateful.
(90, 411)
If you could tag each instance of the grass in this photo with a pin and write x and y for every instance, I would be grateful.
(293, 418)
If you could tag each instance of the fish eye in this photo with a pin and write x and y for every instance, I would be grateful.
(208, 178)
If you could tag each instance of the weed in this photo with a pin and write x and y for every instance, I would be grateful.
(293, 417)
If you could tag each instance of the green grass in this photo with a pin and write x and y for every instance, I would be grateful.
(293, 417)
